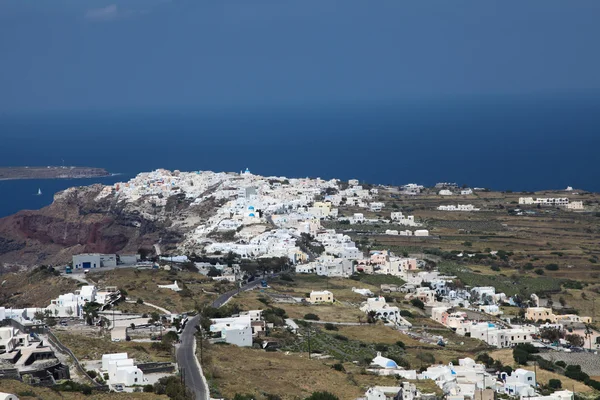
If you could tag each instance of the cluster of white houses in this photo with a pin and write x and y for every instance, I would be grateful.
(248, 204)
(467, 380)
(69, 305)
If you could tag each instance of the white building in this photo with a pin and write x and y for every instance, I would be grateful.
(320, 296)
(234, 330)
(445, 192)
(95, 260)
(458, 207)
(384, 311)
(174, 287)
(335, 267)
(376, 206)
(70, 305)
(575, 205)
(412, 188)
(401, 219)
(545, 201)
(121, 369)
(309, 268)
(520, 382)
(358, 218)
(494, 336)
(363, 292)
(8, 339)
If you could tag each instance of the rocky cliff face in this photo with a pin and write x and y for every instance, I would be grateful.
(77, 221)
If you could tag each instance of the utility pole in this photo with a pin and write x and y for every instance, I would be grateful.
(309, 341)
(201, 346)
(535, 374)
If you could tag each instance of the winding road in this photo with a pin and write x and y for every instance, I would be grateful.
(186, 353)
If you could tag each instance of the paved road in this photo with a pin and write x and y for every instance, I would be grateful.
(186, 358)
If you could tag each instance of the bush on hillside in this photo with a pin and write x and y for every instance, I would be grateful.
(555, 383)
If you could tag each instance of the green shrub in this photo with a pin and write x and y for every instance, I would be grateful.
(561, 364)
(417, 303)
(340, 337)
(311, 317)
(406, 313)
(92, 374)
(574, 372)
(551, 267)
(545, 364)
(555, 383)
(338, 367)
(331, 327)
(400, 344)
(381, 347)
(148, 388)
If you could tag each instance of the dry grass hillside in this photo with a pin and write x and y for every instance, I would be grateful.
(143, 284)
(33, 288)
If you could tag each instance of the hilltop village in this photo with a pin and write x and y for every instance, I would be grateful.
(287, 288)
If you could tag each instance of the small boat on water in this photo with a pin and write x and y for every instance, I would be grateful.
(39, 193)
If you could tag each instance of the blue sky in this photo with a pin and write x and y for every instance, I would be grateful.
(148, 54)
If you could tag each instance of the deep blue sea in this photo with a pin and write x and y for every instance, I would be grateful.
(528, 143)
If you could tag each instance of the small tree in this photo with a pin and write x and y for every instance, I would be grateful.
(330, 327)
(312, 317)
(551, 334)
(575, 340)
(418, 303)
(338, 367)
(555, 383)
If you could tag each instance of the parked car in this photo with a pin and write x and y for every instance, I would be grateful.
(119, 388)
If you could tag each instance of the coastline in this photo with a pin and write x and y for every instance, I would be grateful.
(46, 173)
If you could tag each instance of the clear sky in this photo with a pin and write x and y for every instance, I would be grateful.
(137, 54)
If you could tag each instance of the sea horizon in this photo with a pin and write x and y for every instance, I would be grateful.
(524, 144)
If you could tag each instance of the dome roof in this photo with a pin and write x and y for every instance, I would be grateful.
(384, 362)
